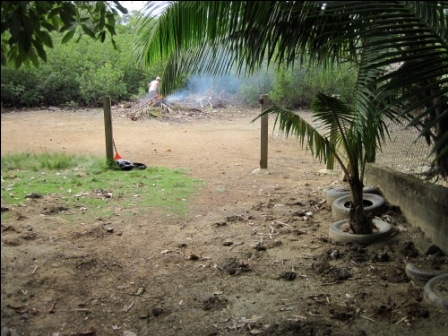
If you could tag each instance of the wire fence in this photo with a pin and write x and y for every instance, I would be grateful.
(406, 152)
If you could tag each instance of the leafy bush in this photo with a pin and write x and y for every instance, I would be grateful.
(254, 86)
(297, 88)
(106, 80)
(80, 73)
(19, 87)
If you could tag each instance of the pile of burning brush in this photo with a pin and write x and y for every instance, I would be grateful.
(146, 107)
(188, 104)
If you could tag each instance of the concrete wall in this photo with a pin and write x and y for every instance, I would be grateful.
(424, 205)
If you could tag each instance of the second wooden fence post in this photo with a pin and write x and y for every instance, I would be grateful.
(264, 100)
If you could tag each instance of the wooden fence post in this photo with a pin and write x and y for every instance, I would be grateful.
(108, 130)
(264, 100)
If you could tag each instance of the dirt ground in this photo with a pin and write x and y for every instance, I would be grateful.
(252, 257)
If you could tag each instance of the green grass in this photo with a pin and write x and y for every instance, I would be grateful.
(87, 182)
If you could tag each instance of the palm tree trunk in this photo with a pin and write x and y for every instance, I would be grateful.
(359, 222)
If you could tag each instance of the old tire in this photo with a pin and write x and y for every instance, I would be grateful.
(335, 192)
(421, 274)
(337, 234)
(373, 204)
(433, 295)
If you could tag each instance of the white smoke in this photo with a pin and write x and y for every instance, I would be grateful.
(203, 86)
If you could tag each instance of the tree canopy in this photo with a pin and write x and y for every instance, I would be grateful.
(26, 26)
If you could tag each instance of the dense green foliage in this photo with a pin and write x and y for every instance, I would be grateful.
(80, 74)
(298, 87)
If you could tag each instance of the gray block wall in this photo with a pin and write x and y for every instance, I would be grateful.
(424, 204)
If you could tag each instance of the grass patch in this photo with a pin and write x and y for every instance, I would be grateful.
(80, 182)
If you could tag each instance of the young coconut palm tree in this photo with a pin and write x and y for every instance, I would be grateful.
(346, 137)
(215, 36)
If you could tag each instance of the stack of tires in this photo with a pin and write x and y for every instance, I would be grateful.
(334, 192)
(339, 197)
(436, 281)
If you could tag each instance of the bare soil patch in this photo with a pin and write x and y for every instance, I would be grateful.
(252, 257)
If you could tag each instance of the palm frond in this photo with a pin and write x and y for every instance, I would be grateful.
(292, 124)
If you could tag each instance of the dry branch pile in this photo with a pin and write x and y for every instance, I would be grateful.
(191, 104)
